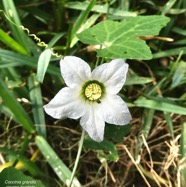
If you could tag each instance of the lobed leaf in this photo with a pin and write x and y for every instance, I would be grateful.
(121, 39)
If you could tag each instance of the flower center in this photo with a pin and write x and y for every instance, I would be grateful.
(93, 91)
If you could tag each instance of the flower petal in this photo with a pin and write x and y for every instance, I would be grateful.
(115, 110)
(75, 71)
(93, 123)
(65, 104)
(112, 75)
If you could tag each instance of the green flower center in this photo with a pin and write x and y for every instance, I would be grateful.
(93, 91)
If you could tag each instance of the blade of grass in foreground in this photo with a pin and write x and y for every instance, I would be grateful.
(11, 59)
(170, 52)
(145, 129)
(19, 113)
(43, 63)
(183, 151)
(10, 42)
(162, 106)
(169, 123)
(55, 162)
(18, 33)
(99, 9)
(82, 17)
(89, 22)
(37, 105)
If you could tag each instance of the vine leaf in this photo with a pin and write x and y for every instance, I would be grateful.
(122, 39)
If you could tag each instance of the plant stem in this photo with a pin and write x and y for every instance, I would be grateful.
(77, 157)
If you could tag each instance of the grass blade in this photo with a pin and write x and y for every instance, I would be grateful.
(183, 151)
(162, 106)
(57, 165)
(145, 129)
(99, 9)
(43, 63)
(19, 113)
(170, 52)
(82, 17)
(86, 25)
(55, 39)
(6, 39)
(131, 80)
(37, 105)
(12, 59)
(169, 123)
(18, 33)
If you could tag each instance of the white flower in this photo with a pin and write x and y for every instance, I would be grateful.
(91, 96)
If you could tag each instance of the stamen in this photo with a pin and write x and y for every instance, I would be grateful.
(93, 92)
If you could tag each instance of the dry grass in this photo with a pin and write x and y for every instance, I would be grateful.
(157, 165)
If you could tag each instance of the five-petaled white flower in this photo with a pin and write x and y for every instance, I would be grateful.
(91, 96)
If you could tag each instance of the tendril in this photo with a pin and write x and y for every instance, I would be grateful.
(39, 42)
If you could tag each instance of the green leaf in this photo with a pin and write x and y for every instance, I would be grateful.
(105, 149)
(43, 63)
(13, 177)
(116, 132)
(55, 162)
(160, 105)
(121, 39)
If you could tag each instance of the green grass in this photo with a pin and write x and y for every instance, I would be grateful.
(150, 151)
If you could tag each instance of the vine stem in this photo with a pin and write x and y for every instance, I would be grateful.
(77, 157)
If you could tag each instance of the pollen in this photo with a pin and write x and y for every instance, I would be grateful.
(93, 92)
